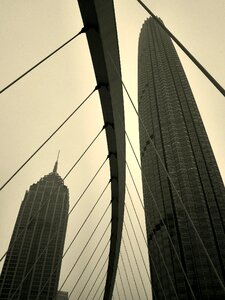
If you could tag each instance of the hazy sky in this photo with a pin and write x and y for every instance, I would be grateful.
(35, 106)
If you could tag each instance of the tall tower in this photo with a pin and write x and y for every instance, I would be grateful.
(36, 246)
(170, 115)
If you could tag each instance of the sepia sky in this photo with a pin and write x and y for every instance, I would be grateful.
(36, 105)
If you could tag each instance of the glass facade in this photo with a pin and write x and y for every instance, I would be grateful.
(170, 125)
(33, 260)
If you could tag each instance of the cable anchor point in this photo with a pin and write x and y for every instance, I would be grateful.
(102, 84)
(107, 124)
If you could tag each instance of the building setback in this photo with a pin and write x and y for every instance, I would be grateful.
(62, 295)
(33, 261)
(171, 118)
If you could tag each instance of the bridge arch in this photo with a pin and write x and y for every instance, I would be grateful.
(99, 19)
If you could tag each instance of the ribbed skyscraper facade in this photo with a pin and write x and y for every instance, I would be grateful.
(171, 128)
(33, 261)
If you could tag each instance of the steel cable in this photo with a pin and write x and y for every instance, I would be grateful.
(54, 132)
(124, 267)
(131, 268)
(153, 264)
(135, 258)
(96, 247)
(185, 50)
(92, 272)
(118, 269)
(118, 291)
(160, 250)
(99, 273)
(41, 61)
(99, 286)
(86, 244)
(84, 152)
(99, 169)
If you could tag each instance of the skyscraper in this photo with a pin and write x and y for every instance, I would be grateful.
(170, 126)
(33, 260)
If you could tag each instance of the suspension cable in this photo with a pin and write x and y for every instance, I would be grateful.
(131, 268)
(85, 220)
(85, 246)
(193, 59)
(92, 272)
(125, 270)
(122, 283)
(134, 184)
(55, 131)
(153, 264)
(131, 200)
(44, 59)
(135, 258)
(132, 148)
(99, 169)
(88, 147)
(171, 182)
(101, 292)
(99, 286)
(160, 251)
(117, 291)
(168, 234)
(96, 247)
(99, 273)
(42, 206)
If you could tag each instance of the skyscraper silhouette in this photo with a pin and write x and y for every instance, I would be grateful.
(170, 126)
(33, 260)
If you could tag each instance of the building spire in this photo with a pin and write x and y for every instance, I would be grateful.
(56, 163)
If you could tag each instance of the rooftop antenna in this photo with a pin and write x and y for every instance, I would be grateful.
(56, 163)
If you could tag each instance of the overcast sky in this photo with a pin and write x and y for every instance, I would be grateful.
(35, 106)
